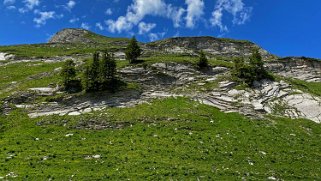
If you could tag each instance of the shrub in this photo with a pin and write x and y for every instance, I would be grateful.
(133, 51)
(202, 62)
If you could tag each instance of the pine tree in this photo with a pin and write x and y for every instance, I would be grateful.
(133, 51)
(250, 71)
(104, 68)
(108, 67)
(202, 62)
(91, 77)
(69, 80)
(257, 65)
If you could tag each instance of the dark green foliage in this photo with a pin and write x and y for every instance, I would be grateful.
(101, 74)
(133, 51)
(108, 72)
(69, 79)
(202, 62)
(250, 71)
(1, 108)
(108, 67)
(91, 75)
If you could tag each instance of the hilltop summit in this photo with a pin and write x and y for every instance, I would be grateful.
(213, 46)
(74, 35)
(71, 35)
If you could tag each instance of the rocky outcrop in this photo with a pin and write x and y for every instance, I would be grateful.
(302, 68)
(6, 56)
(213, 46)
(161, 80)
(71, 36)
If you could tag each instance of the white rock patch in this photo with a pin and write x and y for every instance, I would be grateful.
(2, 56)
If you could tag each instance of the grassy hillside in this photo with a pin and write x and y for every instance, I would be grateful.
(172, 139)
(99, 43)
(21, 76)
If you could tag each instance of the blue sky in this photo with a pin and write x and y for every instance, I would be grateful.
(283, 27)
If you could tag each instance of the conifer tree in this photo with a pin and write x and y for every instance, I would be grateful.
(69, 80)
(133, 51)
(252, 70)
(91, 75)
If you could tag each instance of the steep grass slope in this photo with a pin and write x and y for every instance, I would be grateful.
(173, 139)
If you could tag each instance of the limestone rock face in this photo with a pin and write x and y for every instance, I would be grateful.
(210, 45)
(71, 36)
(302, 68)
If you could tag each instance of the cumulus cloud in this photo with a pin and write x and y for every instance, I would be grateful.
(108, 11)
(145, 27)
(71, 4)
(99, 26)
(241, 14)
(195, 9)
(29, 5)
(74, 20)
(44, 16)
(141, 8)
(156, 36)
(85, 26)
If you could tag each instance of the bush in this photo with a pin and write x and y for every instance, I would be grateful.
(69, 80)
(202, 62)
(250, 71)
(133, 51)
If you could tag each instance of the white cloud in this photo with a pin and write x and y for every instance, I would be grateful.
(156, 36)
(141, 8)
(29, 5)
(8, 2)
(236, 8)
(74, 20)
(195, 9)
(145, 27)
(216, 20)
(108, 11)
(175, 14)
(44, 16)
(85, 26)
(71, 4)
(120, 25)
(99, 26)
(11, 7)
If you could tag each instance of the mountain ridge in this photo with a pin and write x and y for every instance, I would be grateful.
(213, 46)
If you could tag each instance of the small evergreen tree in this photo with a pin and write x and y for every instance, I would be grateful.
(100, 74)
(202, 62)
(108, 67)
(108, 72)
(104, 67)
(257, 65)
(133, 51)
(91, 75)
(69, 80)
(250, 71)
